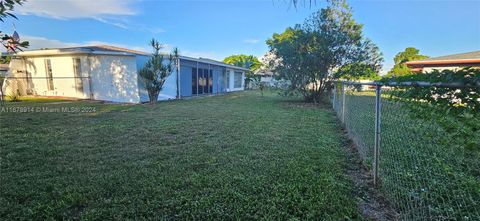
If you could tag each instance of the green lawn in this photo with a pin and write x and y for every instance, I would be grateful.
(238, 156)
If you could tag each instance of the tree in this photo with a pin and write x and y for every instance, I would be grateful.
(11, 42)
(314, 54)
(400, 68)
(177, 70)
(157, 69)
(367, 67)
(245, 61)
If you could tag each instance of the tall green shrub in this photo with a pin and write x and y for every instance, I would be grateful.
(157, 69)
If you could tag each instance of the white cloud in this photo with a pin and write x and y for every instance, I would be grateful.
(111, 12)
(41, 42)
(116, 24)
(68, 9)
(251, 41)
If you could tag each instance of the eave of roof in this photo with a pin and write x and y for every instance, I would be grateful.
(112, 50)
(453, 59)
(443, 62)
(213, 62)
(51, 52)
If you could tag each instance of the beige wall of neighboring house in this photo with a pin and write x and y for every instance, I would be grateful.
(453, 68)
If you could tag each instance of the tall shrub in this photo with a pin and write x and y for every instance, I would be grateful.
(157, 69)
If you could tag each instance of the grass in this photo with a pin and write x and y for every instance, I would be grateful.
(425, 173)
(238, 156)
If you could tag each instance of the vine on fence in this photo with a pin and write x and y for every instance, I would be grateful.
(456, 110)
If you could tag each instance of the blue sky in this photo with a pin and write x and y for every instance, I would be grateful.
(216, 29)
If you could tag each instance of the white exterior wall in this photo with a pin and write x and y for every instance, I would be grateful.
(111, 78)
(114, 78)
(169, 90)
(62, 73)
(231, 82)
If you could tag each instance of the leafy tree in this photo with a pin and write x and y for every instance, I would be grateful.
(316, 52)
(177, 70)
(246, 61)
(400, 68)
(357, 71)
(157, 69)
(5, 59)
(296, 2)
(11, 42)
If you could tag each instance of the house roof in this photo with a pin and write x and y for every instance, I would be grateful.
(113, 50)
(454, 59)
(213, 62)
(98, 49)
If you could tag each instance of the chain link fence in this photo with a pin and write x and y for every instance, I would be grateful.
(423, 175)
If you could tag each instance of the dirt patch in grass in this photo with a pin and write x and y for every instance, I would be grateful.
(372, 204)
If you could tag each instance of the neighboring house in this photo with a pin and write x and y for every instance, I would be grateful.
(267, 77)
(111, 74)
(448, 62)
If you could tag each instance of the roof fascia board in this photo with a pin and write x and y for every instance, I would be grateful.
(213, 63)
(38, 53)
(460, 61)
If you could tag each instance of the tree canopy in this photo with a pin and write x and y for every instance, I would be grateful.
(10, 42)
(322, 49)
(400, 68)
(245, 61)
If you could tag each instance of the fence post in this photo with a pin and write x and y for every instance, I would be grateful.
(376, 148)
(334, 97)
(343, 102)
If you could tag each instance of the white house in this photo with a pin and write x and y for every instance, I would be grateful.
(111, 74)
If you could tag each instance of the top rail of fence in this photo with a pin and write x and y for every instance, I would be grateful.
(415, 84)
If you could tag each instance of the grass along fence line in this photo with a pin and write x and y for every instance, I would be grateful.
(425, 175)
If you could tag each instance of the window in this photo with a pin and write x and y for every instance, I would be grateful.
(227, 79)
(49, 76)
(205, 81)
(77, 74)
(237, 79)
(202, 81)
(194, 81)
(210, 82)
